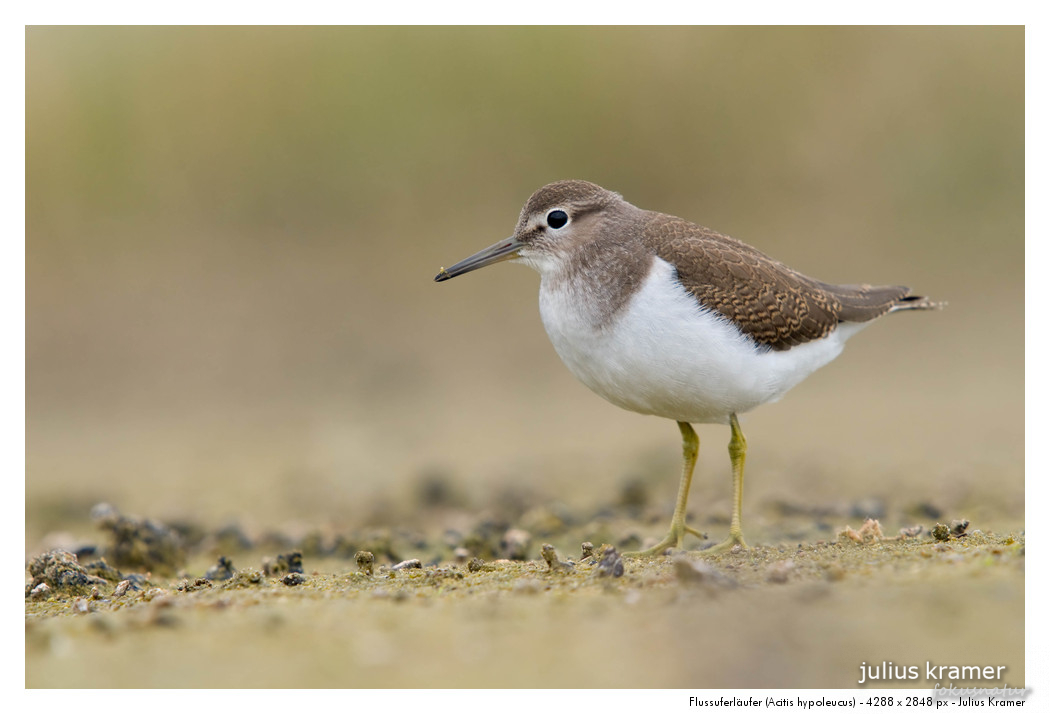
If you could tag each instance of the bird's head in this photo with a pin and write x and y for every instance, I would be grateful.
(556, 220)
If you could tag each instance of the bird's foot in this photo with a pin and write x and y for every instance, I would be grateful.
(734, 540)
(673, 539)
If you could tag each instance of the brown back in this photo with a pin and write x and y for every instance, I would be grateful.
(775, 305)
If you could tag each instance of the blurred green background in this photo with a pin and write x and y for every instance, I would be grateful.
(232, 235)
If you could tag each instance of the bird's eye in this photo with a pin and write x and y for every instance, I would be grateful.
(557, 219)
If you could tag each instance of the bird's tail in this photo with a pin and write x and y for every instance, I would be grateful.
(861, 303)
(917, 302)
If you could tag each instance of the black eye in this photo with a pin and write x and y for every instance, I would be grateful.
(557, 219)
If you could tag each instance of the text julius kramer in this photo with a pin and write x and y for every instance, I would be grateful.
(934, 672)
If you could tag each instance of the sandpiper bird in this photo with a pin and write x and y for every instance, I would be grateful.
(662, 316)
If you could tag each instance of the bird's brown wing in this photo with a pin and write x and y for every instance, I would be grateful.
(775, 305)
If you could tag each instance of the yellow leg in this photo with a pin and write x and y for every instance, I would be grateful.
(690, 448)
(737, 456)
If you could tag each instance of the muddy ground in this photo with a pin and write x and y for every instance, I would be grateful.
(151, 604)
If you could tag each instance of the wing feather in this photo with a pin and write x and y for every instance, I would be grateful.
(775, 305)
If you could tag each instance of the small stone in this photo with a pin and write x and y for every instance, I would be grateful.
(477, 565)
(223, 570)
(588, 550)
(244, 579)
(62, 573)
(461, 555)
(100, 568)
(958, 527)
(293, 561)
(138, 581)
(611, 564)
(912, 532)
(870, 532)
(122, 588)
(287, 563)
(94, 593)
(198, 584)
(40, 592)
(551, 556)
(408, 564)
(140, 543)
(365, 562)
(941, 532)
(293, 579)
(80, 606)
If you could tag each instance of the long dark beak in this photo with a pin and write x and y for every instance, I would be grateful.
(506, 249)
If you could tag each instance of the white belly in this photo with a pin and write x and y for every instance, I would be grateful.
(663, 354)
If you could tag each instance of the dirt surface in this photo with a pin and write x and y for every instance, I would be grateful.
(795, 613)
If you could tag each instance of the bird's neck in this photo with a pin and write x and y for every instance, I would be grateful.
(593, 285)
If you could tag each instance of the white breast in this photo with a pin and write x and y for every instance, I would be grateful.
(666, 355)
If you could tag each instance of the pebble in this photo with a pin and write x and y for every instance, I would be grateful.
(223, 570)
(912, 532)
(407, 564)
(551, 556)
(941, 532)
(365, 562)
(611, 563)
(477, 565)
